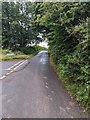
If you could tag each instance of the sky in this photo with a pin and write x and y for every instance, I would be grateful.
(43, 44)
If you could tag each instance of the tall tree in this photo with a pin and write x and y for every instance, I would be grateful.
(16, 25)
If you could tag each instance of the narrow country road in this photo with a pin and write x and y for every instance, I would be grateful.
(35, 91)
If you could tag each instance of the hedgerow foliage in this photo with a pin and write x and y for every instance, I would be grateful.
(67, 28)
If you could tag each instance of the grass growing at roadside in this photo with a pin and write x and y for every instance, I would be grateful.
(14, 57)
(17, 55)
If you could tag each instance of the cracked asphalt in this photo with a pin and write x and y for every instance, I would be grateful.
(36, 92)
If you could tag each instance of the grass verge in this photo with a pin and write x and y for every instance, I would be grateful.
(17, 55)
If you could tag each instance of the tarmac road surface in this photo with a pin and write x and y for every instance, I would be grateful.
(35, 91)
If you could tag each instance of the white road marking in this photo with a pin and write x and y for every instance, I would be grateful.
(17, 65)
(11, 71)
(2, 77)
(9, 101)
(45, 77)
(46, 83)
(62, 109)
(46, 86)
(20, 65)
(7, 74)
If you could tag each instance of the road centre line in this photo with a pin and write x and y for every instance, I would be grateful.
(7, 73)
(18, 66)
(2, 77)
(15, 65)
(12, 67)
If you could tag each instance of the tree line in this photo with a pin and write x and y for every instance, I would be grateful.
(17, 31)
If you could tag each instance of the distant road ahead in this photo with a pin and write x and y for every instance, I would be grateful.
(36, 92)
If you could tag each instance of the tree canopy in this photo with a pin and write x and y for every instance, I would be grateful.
(17, 29)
